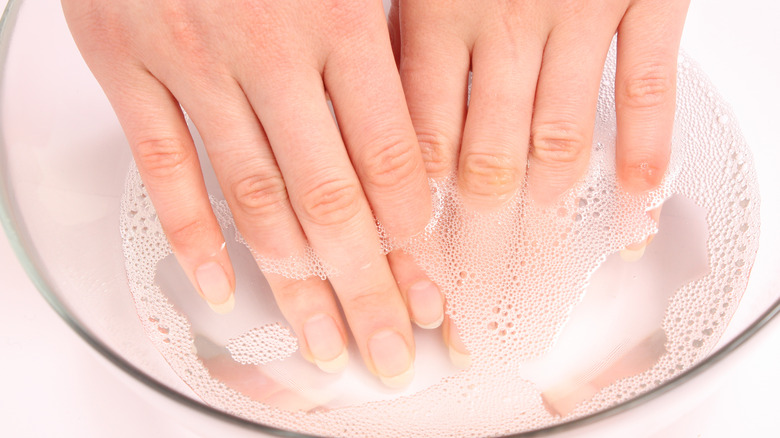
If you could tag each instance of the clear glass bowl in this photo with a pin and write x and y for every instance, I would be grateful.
(63, 163)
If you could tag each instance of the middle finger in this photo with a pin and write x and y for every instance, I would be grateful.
(333, 211)
(565, 103)
(492, 160)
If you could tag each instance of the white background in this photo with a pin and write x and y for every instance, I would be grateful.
(52, 384)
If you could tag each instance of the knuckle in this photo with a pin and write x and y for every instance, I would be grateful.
(346, 15)
(391, 163)
(571, 9)
(647, 86)
(184, 30)
(185, 235)
(260, 194)
(366, 301)
(296, 293)
(642, 174)
(490, 174)
(435, 149)
(186, 38)
(163, 158)
(557, 143)
(331, 202)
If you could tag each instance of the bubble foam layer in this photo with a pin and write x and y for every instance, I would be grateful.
(263, 345)
(514, 280)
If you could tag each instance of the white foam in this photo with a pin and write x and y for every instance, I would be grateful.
(263, 344)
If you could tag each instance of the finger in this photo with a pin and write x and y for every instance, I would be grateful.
(169, 166)
(423, 298)
(394, 28)
(377, 131)
(255, 191)
(495, 141)
(381, 141)
(645, 86)
(335, 216)
(565, 105)
(434, 69)
(310, 307)
(459, 355)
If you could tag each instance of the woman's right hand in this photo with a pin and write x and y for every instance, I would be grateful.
(253, 75)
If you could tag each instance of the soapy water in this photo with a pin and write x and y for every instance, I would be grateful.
(557, 325)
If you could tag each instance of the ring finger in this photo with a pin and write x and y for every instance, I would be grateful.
(335, 216)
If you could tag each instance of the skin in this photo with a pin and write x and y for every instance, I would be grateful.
(255, 76)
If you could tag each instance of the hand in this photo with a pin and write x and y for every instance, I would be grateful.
(537, 67)
(253, 78)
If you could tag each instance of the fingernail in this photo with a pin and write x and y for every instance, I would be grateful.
(214, 285)
(633, 252)
(326, 343)
(225, 307)
(426, 304)
(460, 360)
(391, 358)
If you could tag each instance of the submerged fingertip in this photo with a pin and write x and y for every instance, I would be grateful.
(400, 381)
(632, 255)
(391, 357)
(215, 286)
(460, 360)
(426, 304)
(224, 308)
(325, 343)
(335, 365)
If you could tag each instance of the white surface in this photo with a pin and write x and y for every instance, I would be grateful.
(52, 384)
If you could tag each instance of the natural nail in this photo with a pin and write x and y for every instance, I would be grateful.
(326, 343)
(426, 304)
(392, 358)
(634, 251)
(460, 360)
(459, 355)
(225, 307)
(214, 285)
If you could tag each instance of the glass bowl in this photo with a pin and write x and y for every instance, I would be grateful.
(64, 163)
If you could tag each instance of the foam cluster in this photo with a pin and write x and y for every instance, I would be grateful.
(511, 278)
(262, 345)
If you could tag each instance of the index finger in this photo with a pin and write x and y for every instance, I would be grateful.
(326, 196)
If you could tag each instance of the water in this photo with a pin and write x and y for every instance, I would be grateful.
(557, 324)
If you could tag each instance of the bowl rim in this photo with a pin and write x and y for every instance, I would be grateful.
(27, 255)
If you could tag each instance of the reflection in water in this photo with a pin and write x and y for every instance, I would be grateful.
(616, 331)
(262, 383)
